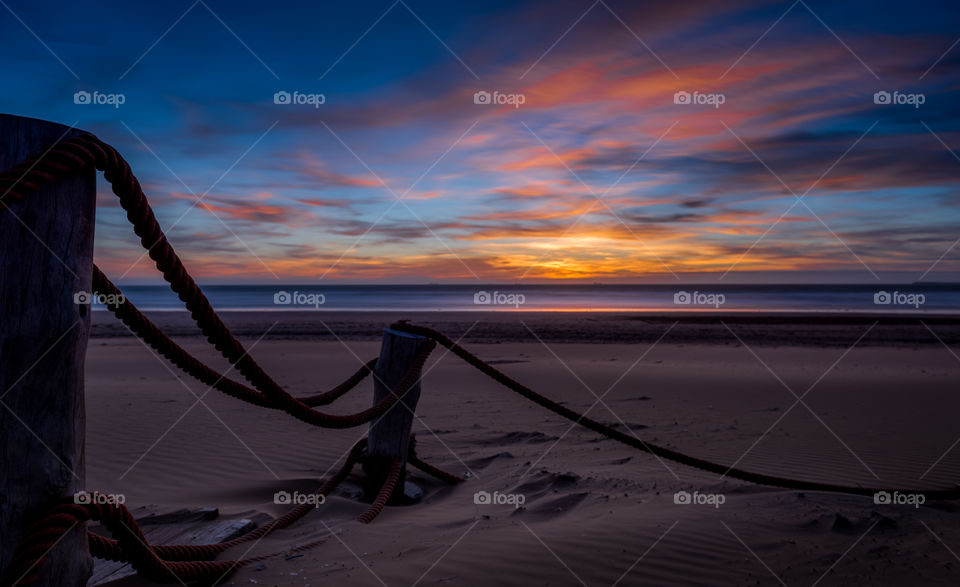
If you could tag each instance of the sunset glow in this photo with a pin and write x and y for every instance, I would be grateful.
(600, 174)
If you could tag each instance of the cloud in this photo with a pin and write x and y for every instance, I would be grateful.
(315, 173)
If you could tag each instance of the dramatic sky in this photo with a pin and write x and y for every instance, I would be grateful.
(599, 175)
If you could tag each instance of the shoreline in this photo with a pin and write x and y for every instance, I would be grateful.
(701, 328)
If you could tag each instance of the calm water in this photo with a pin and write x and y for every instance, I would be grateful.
(938, 298)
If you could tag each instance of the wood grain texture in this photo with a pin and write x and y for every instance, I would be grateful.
(46, 255)
(390, 435)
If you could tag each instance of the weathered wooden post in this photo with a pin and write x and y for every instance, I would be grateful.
(46, 256)
(390, 434)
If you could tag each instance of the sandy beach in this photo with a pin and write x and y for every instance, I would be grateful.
(878, 409)
(660, 293)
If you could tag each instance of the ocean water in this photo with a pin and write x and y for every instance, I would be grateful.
(900, 298)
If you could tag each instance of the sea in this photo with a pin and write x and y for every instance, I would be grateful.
(935, 298)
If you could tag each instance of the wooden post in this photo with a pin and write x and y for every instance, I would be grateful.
(46, 256)
(390, 434)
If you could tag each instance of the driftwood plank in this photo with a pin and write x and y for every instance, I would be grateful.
(181, 516)
(198, 526)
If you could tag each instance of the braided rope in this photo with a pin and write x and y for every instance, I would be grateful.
(72, 155)
(178, 562)
(637, 443)
(30, 555)
(110, 550)
(69, 156)
(162, 563)
(163, 344)
(301, 409)
(427, 468)
(389, 483)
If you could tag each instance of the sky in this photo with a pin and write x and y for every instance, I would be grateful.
(604, 141)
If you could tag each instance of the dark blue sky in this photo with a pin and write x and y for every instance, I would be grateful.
(602, 172)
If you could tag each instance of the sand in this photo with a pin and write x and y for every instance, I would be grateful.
(595, 512)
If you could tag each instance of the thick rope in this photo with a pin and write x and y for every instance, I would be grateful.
(389, 484)
(637, 443)
(73, 154)
(159, 341)
(298, 408)
(426, 467)
(110, 550)
(162, 563)
(168, 563)
(30, 555)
